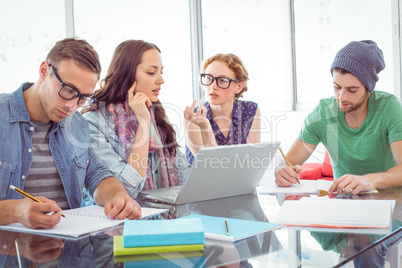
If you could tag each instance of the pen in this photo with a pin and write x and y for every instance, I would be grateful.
(28, 195)
(227, 227)
(288, 163)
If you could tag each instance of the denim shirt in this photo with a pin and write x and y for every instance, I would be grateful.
(105, 143)
(88, 251)
(69, 145)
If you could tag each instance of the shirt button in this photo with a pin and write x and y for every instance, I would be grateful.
(31, 128)
(87, 161)
(1, 163)
(23, 177)
(29, 150)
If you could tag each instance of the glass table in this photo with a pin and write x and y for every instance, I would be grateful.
(284, 247)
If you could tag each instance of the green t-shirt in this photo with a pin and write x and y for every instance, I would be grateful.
(356, 151)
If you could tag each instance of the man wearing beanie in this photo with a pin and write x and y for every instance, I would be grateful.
(361, 128)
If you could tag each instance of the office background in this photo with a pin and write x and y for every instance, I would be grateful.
(287, 46)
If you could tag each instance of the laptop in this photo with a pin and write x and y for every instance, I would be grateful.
(219, 172)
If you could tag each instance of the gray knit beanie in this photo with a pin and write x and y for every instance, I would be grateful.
(363, 59)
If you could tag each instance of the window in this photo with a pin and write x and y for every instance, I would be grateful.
(257, 31)
(322, 28)
(106, 24)
(28, 31)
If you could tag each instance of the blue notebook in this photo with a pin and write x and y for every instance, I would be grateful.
(137, 233)
(215, 227)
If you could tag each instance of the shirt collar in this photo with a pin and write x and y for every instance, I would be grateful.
(18, 109)
(236, 112)
(209, 114)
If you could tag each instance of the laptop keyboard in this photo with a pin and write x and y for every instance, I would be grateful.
(172, 192)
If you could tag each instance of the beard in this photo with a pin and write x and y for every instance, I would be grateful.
(353, 106)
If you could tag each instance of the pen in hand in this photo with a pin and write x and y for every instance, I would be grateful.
(28, 195)
(288, 163)
(227, 227)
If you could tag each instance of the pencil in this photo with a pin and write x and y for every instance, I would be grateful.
(227, 227)
(28, 195)
(288, 163)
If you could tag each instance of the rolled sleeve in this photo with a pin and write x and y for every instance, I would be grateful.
(96, 172)
(131, 180)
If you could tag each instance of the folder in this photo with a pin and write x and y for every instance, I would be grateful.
(120, 250)
(163, 232)
(238, 229)
(336, 213)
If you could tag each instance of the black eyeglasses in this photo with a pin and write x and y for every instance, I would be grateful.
(222, 82)
(68, 92)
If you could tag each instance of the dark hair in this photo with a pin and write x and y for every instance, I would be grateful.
(169, 142)
(119, 79)
(78, 50)
(235, 64)
(343, 71)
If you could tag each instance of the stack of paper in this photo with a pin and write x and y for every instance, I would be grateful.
(337, 213)
(146, 237)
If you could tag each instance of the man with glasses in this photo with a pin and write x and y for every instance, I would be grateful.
(45, 143)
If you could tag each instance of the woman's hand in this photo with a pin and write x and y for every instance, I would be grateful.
(199, 117)
(139, 103)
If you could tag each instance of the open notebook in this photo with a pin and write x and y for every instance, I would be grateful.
(80, 221)
(320, 187)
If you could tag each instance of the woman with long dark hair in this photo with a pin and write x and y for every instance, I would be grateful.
(129, 127)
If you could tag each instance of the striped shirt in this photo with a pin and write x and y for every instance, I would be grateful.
(43, 177)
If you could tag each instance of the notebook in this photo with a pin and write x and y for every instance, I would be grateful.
(320, 187)
(80, 221)
(219, 172)
(163, 232)
(120, 250)
(232, 230)
(164, 259)
(336, 213)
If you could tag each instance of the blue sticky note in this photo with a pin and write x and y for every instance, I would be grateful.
(142, 233)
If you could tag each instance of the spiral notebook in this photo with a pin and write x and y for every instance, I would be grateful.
(80, 221)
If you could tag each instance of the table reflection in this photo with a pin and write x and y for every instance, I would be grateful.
(28, 250)
(218, 253)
